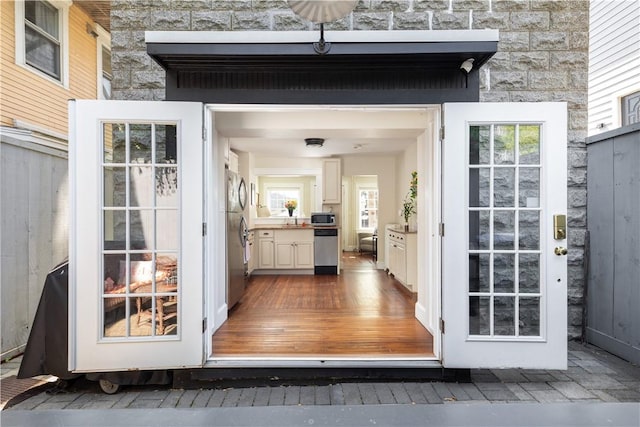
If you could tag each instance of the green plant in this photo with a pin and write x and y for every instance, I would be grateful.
(408, 207)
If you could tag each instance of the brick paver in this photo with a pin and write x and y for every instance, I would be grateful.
(592, 376)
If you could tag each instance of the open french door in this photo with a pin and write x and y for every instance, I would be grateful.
(504, 289)
(136, 245)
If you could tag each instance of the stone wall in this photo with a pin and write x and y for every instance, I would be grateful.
(542, 56)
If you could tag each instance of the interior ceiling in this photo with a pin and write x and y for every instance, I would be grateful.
(99, 10)
(346, 132)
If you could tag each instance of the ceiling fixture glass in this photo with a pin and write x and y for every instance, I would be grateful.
(314, 142)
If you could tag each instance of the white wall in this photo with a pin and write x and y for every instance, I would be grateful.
(614, 60)
(407, 163)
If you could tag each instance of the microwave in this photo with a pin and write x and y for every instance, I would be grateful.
(323, 219)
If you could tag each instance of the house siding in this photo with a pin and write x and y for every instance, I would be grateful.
(542, 56)
(614, 60)
(37, 100)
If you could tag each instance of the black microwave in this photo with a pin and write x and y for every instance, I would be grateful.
(327, 219)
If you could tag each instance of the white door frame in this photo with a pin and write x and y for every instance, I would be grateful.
(428, 306)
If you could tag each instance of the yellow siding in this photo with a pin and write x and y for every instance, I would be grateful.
(27, 96)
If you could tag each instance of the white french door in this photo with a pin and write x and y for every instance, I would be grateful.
(504, 289)
(136, 245)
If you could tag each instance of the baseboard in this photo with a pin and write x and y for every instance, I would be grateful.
(614, 346)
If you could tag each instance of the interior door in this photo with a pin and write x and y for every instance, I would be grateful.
(504, 290)
(136, 249)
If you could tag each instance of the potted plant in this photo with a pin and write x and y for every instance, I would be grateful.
(409, 203)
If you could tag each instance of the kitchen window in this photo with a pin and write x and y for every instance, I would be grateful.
(41, 38)
(368, 208)
(277, 196)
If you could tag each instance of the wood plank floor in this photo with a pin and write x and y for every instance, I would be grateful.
(360, 313)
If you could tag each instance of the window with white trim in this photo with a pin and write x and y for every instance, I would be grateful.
(367, 208)
(277, 196)
(630, 106)
(41, 37)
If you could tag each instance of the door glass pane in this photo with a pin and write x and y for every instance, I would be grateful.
(479, 229)
(504, 187)
(529, 145)
(479, 315)
(504, 316)
(504, 149)
(479, 187)
(529, 233)
(529, 273)
(529, 322)
(529, 187)
(479, 272)
(504, 273)
(141, 229)
(504, 230)
(479, 145)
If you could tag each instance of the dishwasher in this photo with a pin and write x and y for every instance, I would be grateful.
(325, 251)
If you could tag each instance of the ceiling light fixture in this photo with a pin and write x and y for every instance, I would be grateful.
(314, 142)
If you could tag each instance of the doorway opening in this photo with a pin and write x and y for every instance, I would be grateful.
(363, 313)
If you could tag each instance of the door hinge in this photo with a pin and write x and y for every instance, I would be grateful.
(204, 228)
(441, 229)
(441, 133)
(442, 325)
(204, 325)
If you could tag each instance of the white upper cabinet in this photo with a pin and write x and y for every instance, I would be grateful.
(331, 182)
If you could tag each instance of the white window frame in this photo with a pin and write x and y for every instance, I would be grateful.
(63, 25)
(360, 188)
(103, 41)
(274, 186)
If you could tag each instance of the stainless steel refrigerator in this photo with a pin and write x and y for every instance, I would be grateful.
(236, 238)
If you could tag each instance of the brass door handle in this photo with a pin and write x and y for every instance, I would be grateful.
(559, 250)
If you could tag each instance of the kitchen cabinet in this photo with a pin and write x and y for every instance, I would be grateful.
(402, 257)
(331, 181)
(293, 249)
(266, 250)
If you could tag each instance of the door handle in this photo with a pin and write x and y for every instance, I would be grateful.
(559, 250)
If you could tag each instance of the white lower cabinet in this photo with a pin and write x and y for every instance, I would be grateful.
(285, 249)
(402, 253)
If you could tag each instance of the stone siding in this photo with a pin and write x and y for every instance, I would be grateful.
(542, 56)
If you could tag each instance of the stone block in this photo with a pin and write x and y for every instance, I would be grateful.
(423, 5)
(532, 21)
(576, 238)
(475, 5)
(577, 176)
(508, 80)
(569, 60)
(170, 20)
(139, 94)
(548, 80)
(494, 96)
(577, 158)
(531, 96)
(269, 5)
(192, 5)
(576, 100)
(577, 197)
(372, 21)
(549, 40)
(509, 5)
(231, 5)
(492, 20)
(211, 21)
(120, 40)
(576, 217)
(411, 21)
(127, 19)
(390, 5)
(343, 24)
(578, 119)
(512, 41)
(158, 4)
(577, 138)
(121, 80)
(131, 60)
(128, 4)
(289, 22)
(501, 61)
(579, 40)
(522, 61)
(579, 79)
(148, 79)
(450, 21)
(250, 21)
(550, 5)
(570, 20)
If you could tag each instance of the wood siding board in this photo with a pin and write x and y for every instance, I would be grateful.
(626, 158)
(599, 207)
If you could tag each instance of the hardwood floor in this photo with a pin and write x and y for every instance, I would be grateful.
(360, 313)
